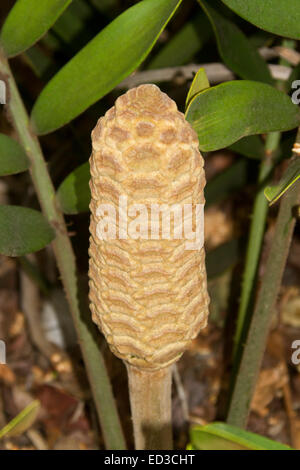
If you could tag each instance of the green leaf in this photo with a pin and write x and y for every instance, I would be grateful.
(183, 46)
(280, 17)
(291, 175)
(74, 192)
(12, 157)
(104, 62)
(207, 441)
(23, 231)
(251, 147)
(199, 83)
(223, 114)
(222, 436)
(22, 422)
(235, 49)
(27, 22)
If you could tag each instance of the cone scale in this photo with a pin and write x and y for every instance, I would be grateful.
(148, 292)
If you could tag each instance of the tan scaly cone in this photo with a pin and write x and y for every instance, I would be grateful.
(148, 297)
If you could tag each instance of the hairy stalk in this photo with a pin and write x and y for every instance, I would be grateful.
(264, 310)
(150, 400)
(64, 254)
(257, 231)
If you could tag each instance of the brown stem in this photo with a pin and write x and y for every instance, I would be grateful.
(150, 400)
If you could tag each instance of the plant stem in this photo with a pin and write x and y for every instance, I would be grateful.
(263, 313)
(150, 400)
(64, 254)
(257, 231)
(256, 236)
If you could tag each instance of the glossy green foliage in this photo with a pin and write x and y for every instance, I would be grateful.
(28, 21)
(223, 114)
(23, 231)
(104, 62)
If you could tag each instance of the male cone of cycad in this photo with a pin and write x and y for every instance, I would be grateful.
(149, 297)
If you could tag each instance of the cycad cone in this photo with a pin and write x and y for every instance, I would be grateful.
(149, 297)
